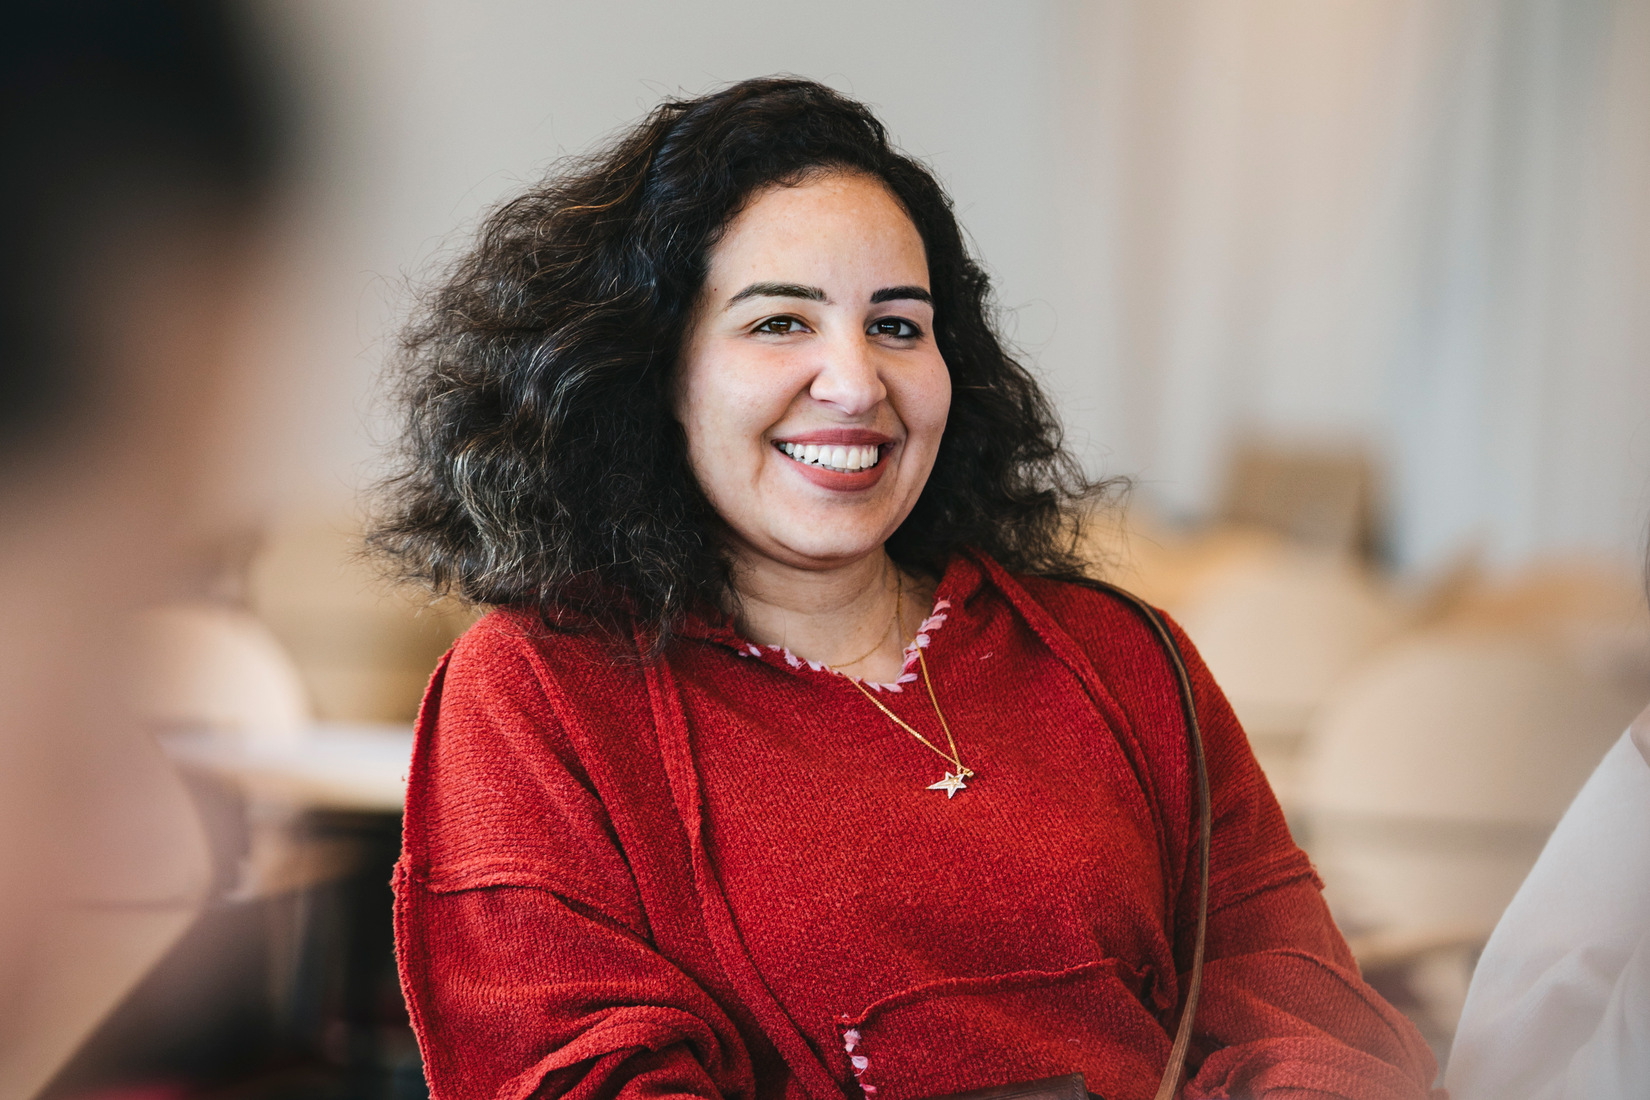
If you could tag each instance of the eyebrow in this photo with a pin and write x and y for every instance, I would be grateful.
(902, 293)
(814, 294)
(779, 290)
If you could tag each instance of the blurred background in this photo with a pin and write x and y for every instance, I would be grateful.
(1357, 294)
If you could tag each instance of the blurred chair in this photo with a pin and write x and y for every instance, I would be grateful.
(218, 670)
(1279, 624)
(310, 835)
(215, 670)
(198, 667)
(1428, 785)
(1280, 632)
(1592, 609)
(1318, 496)
(1169, 567)
(364, 649)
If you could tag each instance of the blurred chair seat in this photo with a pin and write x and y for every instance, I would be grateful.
(215, 667)
(1430, 781)
(1592, 608)
(215, 672)
(1167, 567)
(349, 767)
(1280, 632)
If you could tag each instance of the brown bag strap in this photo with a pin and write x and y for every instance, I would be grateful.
(1175, 1072)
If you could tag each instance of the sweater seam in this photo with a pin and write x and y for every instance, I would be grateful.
(1257, 878)
(1348, 980)
(484, 876)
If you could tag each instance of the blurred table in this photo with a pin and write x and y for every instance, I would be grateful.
(348, 766)
(306, 824)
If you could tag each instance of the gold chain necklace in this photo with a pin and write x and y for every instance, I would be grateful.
(892, 620)
(954, 780)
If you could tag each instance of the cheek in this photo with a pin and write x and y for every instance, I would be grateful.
(723, 417)
(700, 406)
(929, 403)
(736, 396)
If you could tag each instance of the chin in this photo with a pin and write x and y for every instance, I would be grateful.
(816, 545)
(831, 554)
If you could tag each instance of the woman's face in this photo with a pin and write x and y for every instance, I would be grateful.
(810, 389)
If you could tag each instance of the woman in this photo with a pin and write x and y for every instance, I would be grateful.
(1559, 1007)
(795, 758)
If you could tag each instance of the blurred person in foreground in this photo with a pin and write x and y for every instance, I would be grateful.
(798, 757)
(1559, 1006)
(135, 149)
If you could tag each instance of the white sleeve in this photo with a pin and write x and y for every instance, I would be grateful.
(1559, 1007)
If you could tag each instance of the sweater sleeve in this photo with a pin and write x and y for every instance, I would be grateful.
(524, 949)
(1284, 1012)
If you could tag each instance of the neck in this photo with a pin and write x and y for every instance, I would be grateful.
(842, 617)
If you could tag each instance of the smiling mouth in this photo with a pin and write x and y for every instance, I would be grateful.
(842, 460)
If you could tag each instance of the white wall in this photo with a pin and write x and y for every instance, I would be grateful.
(422, 114)
(1419, 224)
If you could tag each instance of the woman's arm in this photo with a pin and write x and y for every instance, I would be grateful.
(516, 993)
(1283, 1013)
(525, 952)
(1558, 1006)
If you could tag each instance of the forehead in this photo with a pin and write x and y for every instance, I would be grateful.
(835, 222)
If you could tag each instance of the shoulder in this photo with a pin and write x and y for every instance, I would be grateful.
(514, 647)
(1105, 637)
(1130, 663)
(512, 680)
(1532, 1010)
(510, 661)
(497, 749)
(1088, 602)
(1113, 631)
(1109, 626)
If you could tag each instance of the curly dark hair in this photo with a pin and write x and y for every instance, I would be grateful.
(542, 464)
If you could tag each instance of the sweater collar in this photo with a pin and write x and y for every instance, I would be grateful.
(963, 577)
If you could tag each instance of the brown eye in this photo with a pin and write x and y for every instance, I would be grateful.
(779, 326)
(897, 327)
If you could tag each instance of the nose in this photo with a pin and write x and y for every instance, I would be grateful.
(850, 375)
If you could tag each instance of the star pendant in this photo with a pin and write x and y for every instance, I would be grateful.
(951, 784)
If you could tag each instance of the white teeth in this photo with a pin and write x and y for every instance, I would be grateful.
(833, 458)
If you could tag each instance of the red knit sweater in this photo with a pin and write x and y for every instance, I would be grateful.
(722, 874)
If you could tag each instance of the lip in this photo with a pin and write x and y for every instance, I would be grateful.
(836, 480)
(838, 437)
